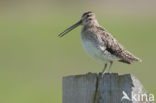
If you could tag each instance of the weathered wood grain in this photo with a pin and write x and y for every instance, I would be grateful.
(93, 88)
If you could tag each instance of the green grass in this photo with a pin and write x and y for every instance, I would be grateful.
(34, 60)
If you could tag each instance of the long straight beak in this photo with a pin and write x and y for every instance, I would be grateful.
(69, 29)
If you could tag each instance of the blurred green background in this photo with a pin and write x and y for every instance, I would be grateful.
(33, 59)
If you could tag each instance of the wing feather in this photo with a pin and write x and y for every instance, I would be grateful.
(115, 48)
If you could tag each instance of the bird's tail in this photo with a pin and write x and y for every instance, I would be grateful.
(128, 57)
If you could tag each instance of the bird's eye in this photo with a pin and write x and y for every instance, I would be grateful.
(88, 15)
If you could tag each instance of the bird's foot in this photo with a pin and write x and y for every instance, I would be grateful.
(102, 74)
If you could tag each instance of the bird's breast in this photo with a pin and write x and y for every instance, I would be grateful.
(92, 48)
(96, 48)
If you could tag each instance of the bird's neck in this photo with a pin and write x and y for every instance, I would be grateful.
(90, 26)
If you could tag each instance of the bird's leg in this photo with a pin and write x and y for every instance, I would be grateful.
(103, 71)
(110, 66)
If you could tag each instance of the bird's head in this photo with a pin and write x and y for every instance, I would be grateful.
(87, 19)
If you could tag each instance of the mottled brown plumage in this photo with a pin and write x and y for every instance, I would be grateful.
(99, 43)
(115, 48)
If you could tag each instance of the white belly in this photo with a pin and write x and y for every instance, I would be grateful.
(93, 52)
(98, 53)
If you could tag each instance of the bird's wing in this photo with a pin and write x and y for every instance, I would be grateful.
(115, 48)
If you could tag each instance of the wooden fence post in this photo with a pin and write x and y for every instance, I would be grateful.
(93, 88)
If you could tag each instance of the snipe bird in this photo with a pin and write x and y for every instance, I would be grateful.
(99, 43)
